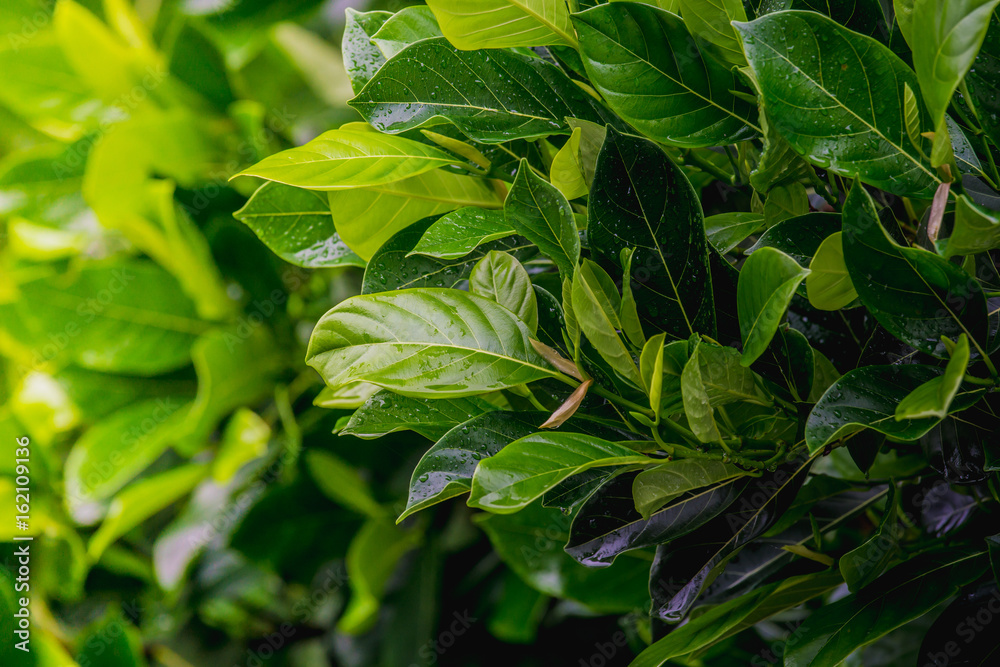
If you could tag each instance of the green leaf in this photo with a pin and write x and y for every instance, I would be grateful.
(245, 439)
(297, 226)
(111, 642)
(768, 281)
(981, 82)
(126, 317)
(710, 23)
(734, 616)
(142, 500)
(595, 305)
(567, 172)
(425, 343)
(497, 24)
(447, 468)
(697, 407)
(540, 213)
(651, 370)
(607, 525)
(235, 367)
(819, 84)
(684, 567)
(784, 202)
(519, 612)
(342, 483)
(496, 96)
(386, 412)
(911, 117)
(651, 72)
(344, 159)
(501, 278)
(905, 593)
(726, 379)
(642, 200)
(113, 451)
(917, 295)
(903, 9)
(799, 237)
(865, 563)
(629, 311)
(366, 218)
(362, 57)
(949, 35)
(394, 266)
(408, 25)
(977, 229)
(655, 487)
(779, 163)
(372, 559)
(867, 397)
(829, 283)
(725, 231)
(460, 232)
(934, 397)
(539, 559)
(525, 469)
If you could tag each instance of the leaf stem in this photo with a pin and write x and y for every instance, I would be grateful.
(993, 165)
(624, 402)
(696, 160)
(984, 382)
(679, 430)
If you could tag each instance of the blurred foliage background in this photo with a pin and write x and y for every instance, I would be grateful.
(190, 504)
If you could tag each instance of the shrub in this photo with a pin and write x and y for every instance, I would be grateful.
(695, 305)
(699, 294)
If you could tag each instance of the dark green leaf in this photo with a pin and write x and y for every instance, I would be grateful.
(491, 96)
(768, 281)
(539, 212)
(447, 468)
(525, 469)
(683, 568)
(799, 237)
(906, 592)
(654, 75)
(735, 616)
(837, 98)
(297, 226)
(867, 398)
(918, 296)
(725, 231)
(862, 565)
(396, 266)
(607, 524)
(530, 542)
(386, 412)
(640, 199)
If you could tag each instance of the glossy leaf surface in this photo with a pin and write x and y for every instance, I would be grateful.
(466, 344)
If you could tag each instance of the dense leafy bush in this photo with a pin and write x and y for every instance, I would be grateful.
(697, 301)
